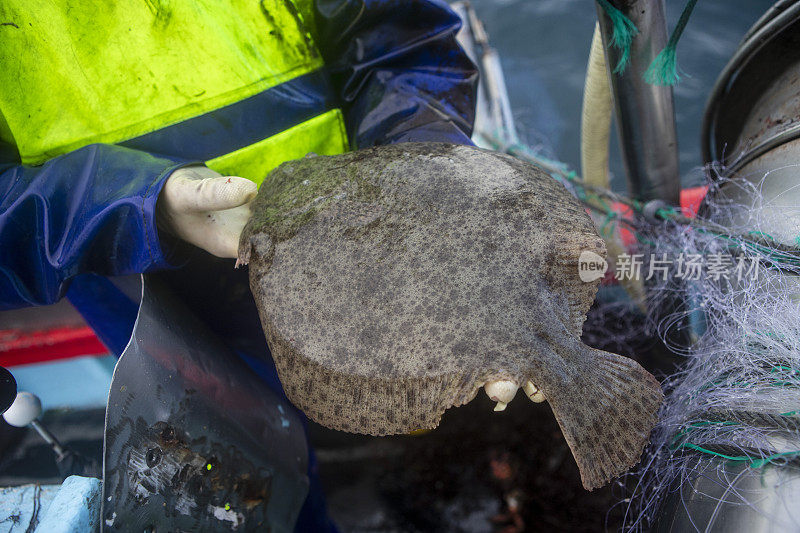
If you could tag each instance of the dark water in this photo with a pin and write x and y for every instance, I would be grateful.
(544, 46)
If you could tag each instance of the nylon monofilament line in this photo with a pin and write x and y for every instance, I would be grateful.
(734, 406)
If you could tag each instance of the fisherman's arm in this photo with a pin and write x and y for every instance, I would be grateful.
(398, 69)
(94, 210)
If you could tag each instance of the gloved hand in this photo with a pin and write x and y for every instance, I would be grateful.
(206, 209)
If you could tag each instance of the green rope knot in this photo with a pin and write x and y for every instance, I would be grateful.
(624, 30)
(664, 68)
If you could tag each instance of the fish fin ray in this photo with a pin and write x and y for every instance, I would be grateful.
(608, 419)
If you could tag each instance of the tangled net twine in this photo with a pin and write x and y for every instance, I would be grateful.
(733, 408)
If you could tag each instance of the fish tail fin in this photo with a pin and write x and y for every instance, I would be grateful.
(607, 416)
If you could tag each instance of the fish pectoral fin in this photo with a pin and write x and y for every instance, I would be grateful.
(607, 415)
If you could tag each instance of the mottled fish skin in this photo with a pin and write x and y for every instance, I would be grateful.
(422, 270)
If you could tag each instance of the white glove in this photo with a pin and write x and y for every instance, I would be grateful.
(206, 209)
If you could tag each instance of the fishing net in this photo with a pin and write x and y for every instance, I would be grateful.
(731, 289)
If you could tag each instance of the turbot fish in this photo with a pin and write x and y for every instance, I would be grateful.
(394, 282)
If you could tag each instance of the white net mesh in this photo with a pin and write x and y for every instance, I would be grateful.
(734, 405)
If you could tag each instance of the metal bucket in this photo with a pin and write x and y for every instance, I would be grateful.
(751, 127)
(754, 107)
